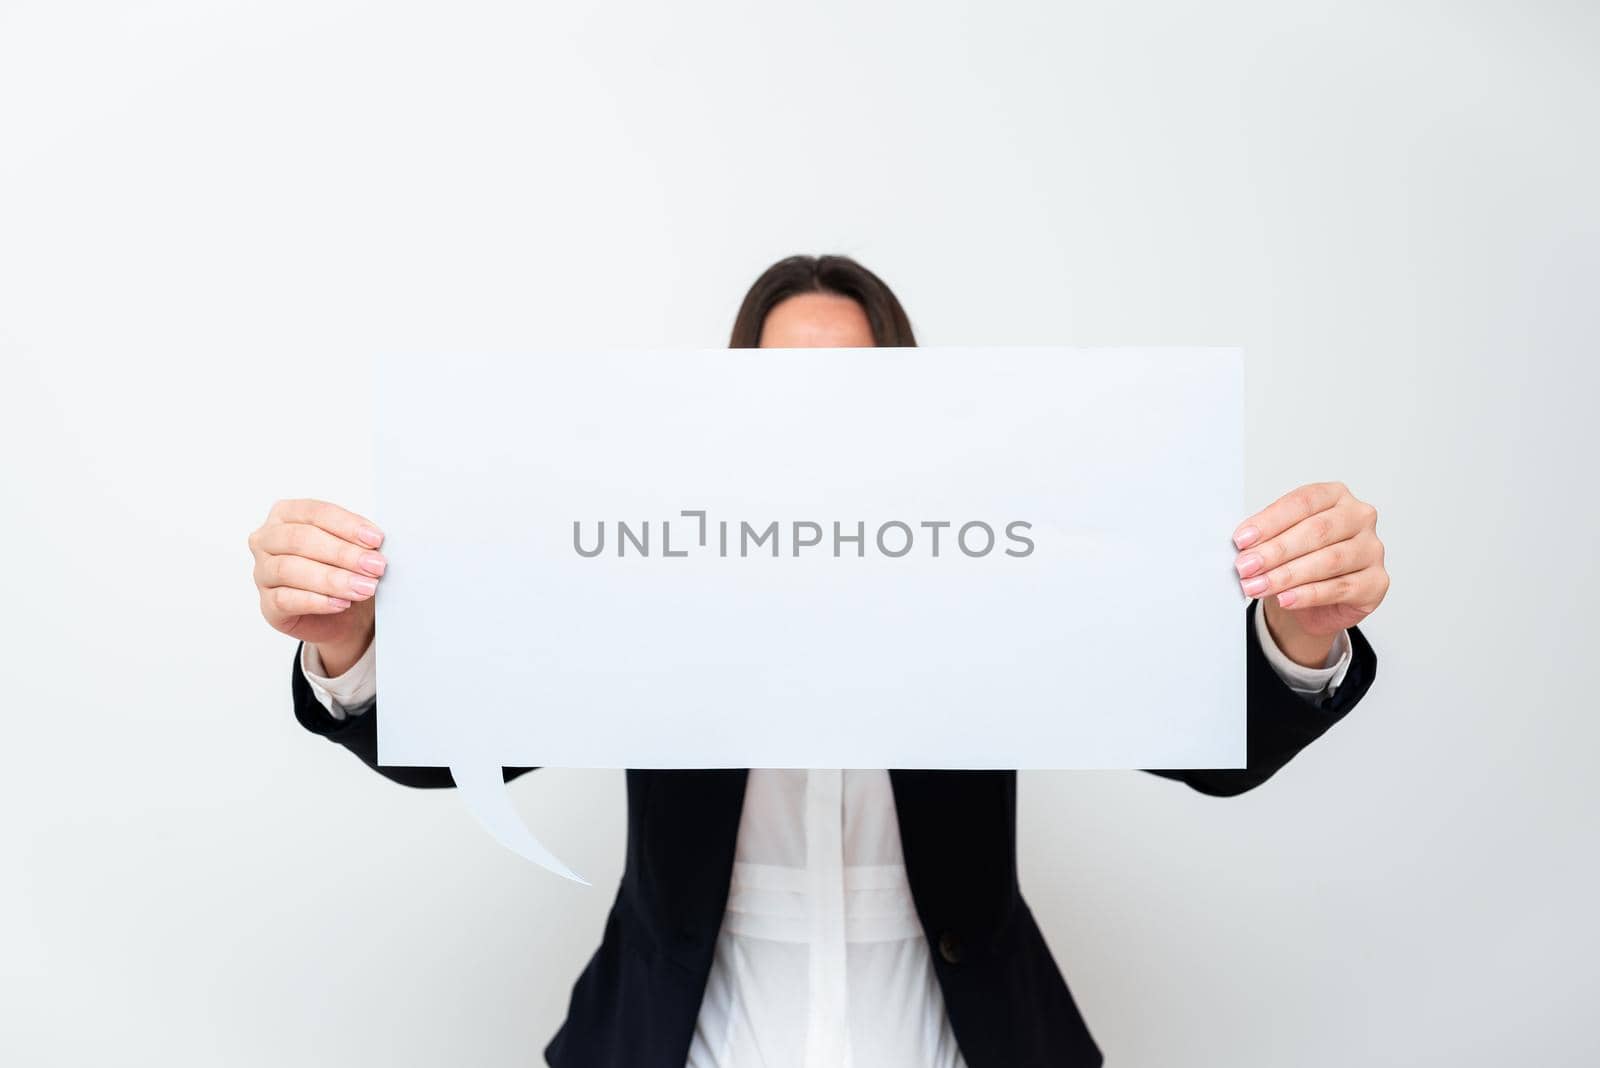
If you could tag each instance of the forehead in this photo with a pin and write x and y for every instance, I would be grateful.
(817, 320)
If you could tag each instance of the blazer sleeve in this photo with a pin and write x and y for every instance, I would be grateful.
(359, 734)
(1279, 721)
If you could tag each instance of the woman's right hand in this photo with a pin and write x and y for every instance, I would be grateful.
(316, 570)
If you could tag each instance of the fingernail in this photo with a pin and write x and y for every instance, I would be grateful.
(338, 602)
(374, 537)
(1248, 565)
(363, 587)
(1245, 537)
(1254, 587)
(373, 564)
(1286, 599)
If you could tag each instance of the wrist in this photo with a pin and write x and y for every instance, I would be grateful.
(340, 656)
(1306, 649)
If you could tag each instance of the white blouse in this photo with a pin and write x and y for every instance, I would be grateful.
(820, 962)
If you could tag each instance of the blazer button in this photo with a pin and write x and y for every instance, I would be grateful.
(950, 948)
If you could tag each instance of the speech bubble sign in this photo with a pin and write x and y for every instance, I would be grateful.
(910, 558)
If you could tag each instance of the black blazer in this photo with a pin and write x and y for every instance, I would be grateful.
(636, 1003)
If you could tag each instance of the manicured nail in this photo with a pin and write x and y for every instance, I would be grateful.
(374, 537)
(1245, 537)
(1248, 565)
(339, 602)
(373, 564)
(1254, 587)
(363, 587)
(1286, 599)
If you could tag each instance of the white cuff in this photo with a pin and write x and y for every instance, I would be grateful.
(1310, 682)
(350, 692)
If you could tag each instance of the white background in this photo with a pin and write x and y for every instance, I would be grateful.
(210, 213)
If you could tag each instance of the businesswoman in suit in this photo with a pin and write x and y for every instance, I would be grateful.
(826, 918)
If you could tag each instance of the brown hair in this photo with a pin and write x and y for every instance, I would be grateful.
(822, 274)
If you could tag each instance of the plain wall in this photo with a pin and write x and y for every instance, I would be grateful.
(212, 214)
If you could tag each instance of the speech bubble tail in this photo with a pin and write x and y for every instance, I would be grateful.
(482, 786)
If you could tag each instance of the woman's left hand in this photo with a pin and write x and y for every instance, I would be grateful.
(1314, 559)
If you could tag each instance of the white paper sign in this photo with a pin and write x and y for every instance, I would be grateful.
(904, 558)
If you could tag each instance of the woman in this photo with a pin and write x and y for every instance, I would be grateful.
(813, 918)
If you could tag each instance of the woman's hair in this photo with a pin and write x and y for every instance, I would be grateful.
(822, 274)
